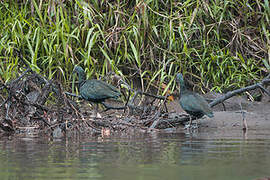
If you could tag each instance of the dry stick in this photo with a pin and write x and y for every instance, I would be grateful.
(230, 94)
(263, 89)
(134, 97)
(25, 103)
(6, 87)
(152, 95)
(140, 92)
(126, 104)
(12, 94)
(4, 102)
(245, 126)
(74, 109)
(7, 129)
(74, 95)
(67, 102)
(40, 77)
(156, 122)
(8, 106)
(20, 77)
(211, 99)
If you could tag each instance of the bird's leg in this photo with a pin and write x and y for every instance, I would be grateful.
(190, 121)
(196, 124)
(187, 126)
(96, 109)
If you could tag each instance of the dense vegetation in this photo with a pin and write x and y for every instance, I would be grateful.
(218, 44)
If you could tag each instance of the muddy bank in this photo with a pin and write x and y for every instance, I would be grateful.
(257, 114)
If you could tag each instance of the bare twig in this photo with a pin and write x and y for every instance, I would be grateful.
(230, 94)
(156, 122)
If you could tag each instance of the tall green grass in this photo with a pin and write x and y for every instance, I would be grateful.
(220, 45)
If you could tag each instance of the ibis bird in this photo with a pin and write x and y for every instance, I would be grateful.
(94, 90)
(191, 102)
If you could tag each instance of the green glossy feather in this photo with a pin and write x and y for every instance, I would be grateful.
(95, 90)
(191, 102)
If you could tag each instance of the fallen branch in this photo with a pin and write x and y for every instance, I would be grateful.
(230, 94)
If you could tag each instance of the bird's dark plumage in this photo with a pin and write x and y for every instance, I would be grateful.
(193, 103)
(94, 90)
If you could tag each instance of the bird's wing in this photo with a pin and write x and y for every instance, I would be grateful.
(194, 102)
(188, 103)
(204, 105)
(96, 89)
(108, 87)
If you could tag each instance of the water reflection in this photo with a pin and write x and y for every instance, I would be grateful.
(203, 155)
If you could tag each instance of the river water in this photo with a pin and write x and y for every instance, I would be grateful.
(213, 154)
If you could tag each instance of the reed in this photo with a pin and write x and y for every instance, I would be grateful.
(221, 45)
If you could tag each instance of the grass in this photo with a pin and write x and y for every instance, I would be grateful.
(219, 45)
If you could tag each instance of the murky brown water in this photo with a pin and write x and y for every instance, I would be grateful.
(202, 155)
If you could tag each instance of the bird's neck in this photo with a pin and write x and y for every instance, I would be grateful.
(183, 89)
(81, 78)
